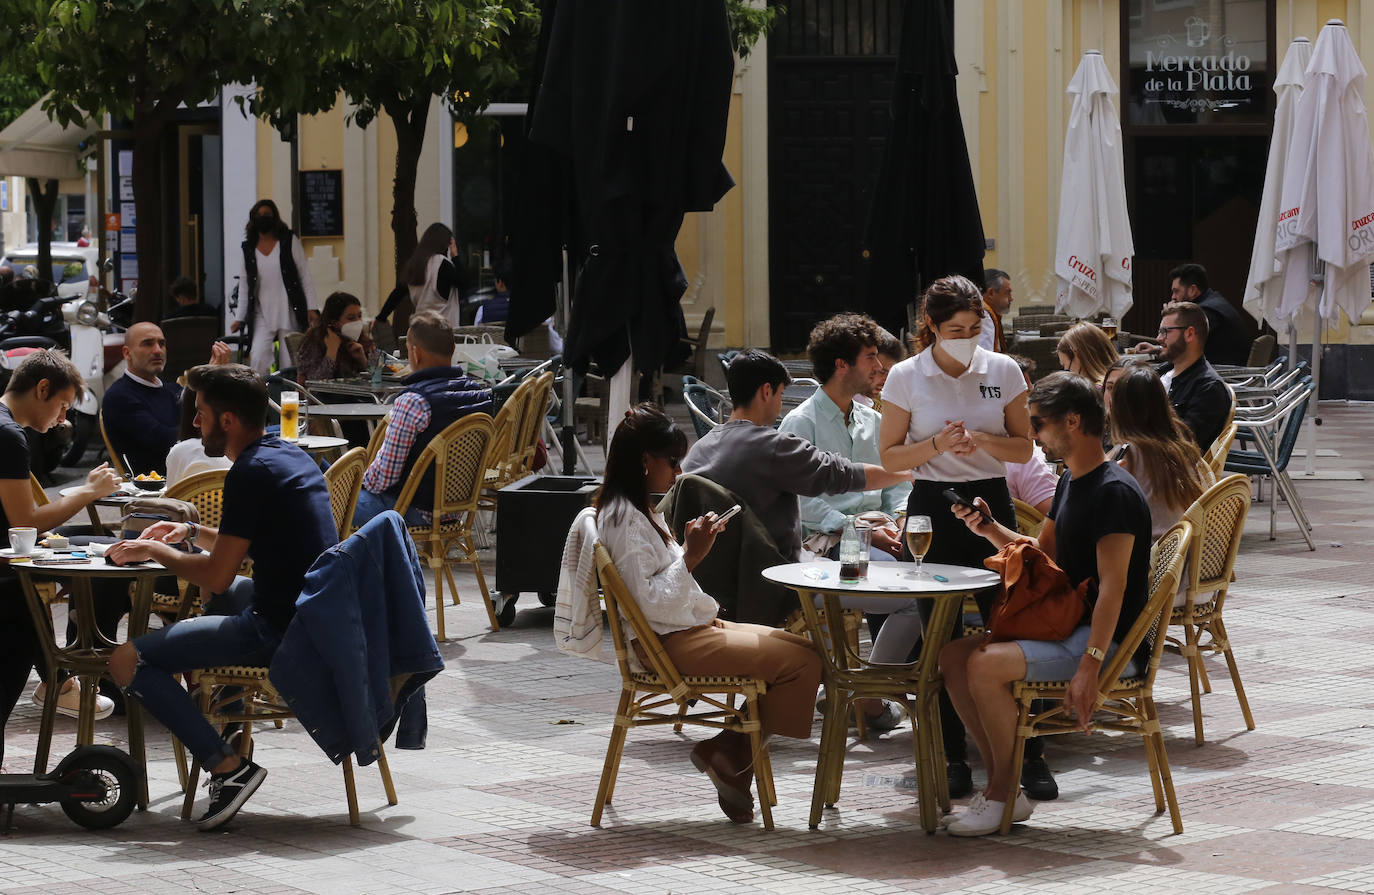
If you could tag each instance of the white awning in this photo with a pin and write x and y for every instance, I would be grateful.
(36, 146)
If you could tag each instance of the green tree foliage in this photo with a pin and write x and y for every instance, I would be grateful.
(392, 58)
(138, 60)
(17, 93)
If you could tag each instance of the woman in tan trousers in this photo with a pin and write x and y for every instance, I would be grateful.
(644, 459)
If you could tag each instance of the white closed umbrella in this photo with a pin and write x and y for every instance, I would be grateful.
(1264, 287)
(1093, 252)
(1325, 226)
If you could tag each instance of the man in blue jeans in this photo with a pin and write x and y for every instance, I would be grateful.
(276, 512)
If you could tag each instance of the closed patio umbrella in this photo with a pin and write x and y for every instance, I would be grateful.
(1325, 225)
(1264, 287)
(1093, 251)
(924, 222)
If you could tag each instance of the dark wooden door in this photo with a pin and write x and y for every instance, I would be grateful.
(831, 64)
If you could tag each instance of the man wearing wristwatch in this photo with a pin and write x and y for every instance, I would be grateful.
(276, 512)
(1098, 528)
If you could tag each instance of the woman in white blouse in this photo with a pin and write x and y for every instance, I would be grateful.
(644, 458)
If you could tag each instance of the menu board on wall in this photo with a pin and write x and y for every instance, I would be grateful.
(321, 198)
(1198, 62)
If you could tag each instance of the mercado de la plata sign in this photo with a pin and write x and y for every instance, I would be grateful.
(1197, 62)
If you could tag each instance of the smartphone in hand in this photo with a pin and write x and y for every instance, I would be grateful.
(959, 500)
(728, 514)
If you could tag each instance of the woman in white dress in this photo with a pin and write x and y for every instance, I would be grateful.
(644, 458)
(281, 296)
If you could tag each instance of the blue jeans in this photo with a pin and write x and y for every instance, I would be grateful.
(210, 640)
(371, 504)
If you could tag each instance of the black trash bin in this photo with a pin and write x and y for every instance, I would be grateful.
(533, 516)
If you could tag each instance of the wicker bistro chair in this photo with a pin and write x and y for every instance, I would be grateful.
(204, 491)
(1127, 703)
(1215, 457)
(531, 422)
(660, 696)
(457, 456)
(1218, 519)
(242, 695)
(345, 479)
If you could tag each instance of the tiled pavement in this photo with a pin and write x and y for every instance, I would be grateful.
(500, 800)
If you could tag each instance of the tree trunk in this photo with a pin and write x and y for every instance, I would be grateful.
(44, 204)
(409, 120)
(149, 125)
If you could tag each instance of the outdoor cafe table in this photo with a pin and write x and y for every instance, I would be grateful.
(320, 444)
(89, 657)
(358, 386)
(847, 672)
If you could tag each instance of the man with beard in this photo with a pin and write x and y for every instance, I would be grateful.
(276, 512)
(1198, 394)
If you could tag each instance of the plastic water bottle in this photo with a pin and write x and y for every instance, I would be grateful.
(852, 565)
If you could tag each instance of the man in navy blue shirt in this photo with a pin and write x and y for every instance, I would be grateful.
(141, 412)
(276, 512)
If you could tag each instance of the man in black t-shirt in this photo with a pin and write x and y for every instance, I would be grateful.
(1099, 529)
(38, 396)
(276, 512)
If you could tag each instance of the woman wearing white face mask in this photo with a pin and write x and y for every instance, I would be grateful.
(338, 345)
(955, 414)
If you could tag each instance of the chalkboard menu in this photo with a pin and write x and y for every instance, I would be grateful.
(321, 198)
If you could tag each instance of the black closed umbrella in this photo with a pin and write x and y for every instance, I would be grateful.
(633, 99)
(924, 222)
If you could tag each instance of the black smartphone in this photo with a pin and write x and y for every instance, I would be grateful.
(959, 500)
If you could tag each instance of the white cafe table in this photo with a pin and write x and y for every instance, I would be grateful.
(848, 676)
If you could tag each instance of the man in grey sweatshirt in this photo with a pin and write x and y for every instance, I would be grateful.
(768, 469)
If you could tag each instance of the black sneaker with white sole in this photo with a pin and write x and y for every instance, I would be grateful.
(228, 792)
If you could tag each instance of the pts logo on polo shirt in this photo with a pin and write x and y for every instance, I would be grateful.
(990, 391)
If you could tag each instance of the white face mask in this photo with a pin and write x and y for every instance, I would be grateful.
(351, 330)
(961, 350)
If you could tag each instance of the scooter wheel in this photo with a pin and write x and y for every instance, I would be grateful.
(120, 786)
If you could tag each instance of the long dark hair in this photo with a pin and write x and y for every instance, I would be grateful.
(645, 430)
(332, 312)
(434, 242)
(250, 233)
(946, 297)
(1162, 456)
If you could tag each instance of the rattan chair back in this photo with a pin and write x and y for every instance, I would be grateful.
(345, 480)
(628, 623)
(116, 461)
(204, 490)
(531, 421)
(1215, 458)
(374, 443)
(1029, 520)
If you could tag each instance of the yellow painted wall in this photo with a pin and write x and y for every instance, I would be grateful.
(321, 148)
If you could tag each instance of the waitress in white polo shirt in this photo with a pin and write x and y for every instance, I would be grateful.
(955, 414)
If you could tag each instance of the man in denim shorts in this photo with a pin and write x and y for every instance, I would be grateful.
(1098, 528)
(276, 512)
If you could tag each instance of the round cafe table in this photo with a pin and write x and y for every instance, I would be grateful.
(89, 657)
(848, 676)
(320, 444)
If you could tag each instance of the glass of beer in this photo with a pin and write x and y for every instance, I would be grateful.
(918, 538)
(290, 415)
(1109, 327)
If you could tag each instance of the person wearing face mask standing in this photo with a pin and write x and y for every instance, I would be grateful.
(337, 346)
(281, 295)
(955, 415)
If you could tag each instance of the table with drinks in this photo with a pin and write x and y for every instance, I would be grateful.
(848, 676)
(87, 658)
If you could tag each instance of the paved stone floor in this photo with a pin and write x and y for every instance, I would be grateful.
(500, 800)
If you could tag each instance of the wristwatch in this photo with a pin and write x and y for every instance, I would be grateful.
(1093, 652)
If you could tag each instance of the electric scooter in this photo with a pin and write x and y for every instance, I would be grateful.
(97, 786)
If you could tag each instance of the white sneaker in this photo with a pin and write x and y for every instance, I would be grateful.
(69, 701)
(974, 804)
(987, 817)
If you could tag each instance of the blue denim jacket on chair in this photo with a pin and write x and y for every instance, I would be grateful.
(360, 642)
